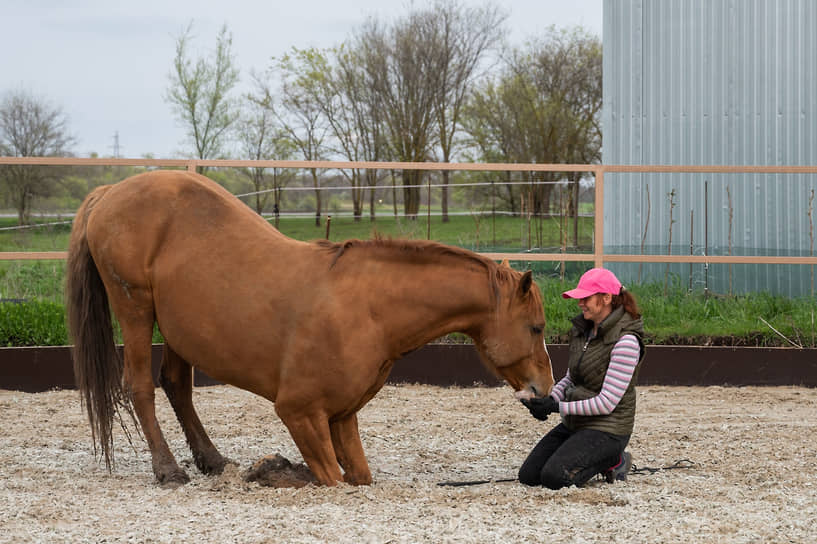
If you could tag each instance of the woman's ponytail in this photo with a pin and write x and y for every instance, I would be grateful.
(627, 299)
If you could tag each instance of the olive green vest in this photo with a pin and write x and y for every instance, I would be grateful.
(588, 362)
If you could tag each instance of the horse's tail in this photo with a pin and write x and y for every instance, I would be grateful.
(98, 369)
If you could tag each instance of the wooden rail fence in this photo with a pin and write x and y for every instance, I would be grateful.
(597, 257)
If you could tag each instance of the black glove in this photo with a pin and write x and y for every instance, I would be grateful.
(541, 407)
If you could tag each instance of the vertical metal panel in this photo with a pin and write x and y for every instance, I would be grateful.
(711, 82)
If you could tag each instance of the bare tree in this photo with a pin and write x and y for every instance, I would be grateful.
(357, 120)
(464, 37)
(199, 93)
(301, 115)
(30, 127)
(262, 138)
(405, 70)
(336, 82)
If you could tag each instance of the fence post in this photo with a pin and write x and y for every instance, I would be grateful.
(598, 242)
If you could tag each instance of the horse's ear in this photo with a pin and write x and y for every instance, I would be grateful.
(505, 263)
(525, 283)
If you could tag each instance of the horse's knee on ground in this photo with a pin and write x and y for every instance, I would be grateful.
(311, 435)
(349, 450)
(357, 481)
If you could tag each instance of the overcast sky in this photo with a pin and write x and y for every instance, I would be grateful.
(106, 63)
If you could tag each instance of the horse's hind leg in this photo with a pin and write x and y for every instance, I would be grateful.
(176, 378)
(137, 333)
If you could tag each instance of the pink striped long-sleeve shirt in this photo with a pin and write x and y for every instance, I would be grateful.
(623, 361)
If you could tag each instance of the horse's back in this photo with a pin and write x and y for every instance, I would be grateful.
(173, 213)
(156, 198)
(211, 268)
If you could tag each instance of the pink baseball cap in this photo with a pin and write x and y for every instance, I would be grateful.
(595, 280)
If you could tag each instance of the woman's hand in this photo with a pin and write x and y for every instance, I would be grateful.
(540, 408)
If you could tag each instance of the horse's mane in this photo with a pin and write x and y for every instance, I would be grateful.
(422, 249)
(427, 250)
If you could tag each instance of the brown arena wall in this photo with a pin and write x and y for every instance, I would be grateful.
(36, 369)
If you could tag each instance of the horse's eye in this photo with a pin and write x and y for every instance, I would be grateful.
(536, 330)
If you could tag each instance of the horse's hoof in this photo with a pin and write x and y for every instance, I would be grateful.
(213, 465)
(357, 480)
(173, 480)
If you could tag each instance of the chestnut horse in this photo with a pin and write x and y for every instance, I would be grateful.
(313, 327)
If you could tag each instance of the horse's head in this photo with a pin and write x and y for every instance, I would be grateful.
(512, 341)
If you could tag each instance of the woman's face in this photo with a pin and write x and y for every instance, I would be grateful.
(596, 307)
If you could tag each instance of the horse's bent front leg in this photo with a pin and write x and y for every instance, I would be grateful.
(349, 450)
(310, 431)
(176, 378)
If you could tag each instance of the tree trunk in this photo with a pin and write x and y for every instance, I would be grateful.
(371, 181)
(575, 200)
(357, 203)
(394, 193)
(444, 196)
(316, 185)
(411, 192)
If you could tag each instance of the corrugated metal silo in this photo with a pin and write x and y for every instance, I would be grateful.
(711, 82)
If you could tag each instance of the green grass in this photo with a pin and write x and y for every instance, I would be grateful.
(678, 318)
(46, 237)
(32, 280)
(476, 233)
(695, 319)
(35, 323)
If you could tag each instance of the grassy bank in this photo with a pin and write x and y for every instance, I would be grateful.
(679, 317)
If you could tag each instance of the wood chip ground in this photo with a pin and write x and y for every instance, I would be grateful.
(754, 477)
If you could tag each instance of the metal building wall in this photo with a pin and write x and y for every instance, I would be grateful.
(711, 82)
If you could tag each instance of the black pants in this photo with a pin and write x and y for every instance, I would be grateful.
(564, 457)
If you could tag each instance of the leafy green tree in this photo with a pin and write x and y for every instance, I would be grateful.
(31, 127)
(199, 93)
(542, 106)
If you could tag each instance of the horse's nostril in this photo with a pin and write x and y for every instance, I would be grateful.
(535, 393)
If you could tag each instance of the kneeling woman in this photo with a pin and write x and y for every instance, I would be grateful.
(596, 398)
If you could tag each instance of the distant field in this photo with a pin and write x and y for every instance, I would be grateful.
(475, 232)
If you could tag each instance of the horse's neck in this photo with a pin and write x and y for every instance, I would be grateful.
(431, 302)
